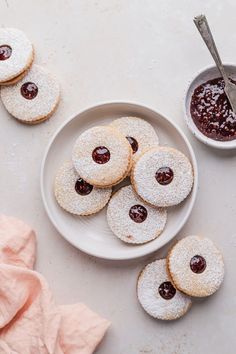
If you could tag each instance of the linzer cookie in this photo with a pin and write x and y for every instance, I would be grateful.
(34, 98)
(75, 195)
(140, 134)
(102, 156)
(15, 79)
(196, 266)
(162, 176)
(158, 296)
(132, 220)
(16, 55)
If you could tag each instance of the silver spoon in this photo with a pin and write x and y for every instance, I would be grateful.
(204, 29)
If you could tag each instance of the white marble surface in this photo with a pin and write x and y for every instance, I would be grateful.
(144, 51)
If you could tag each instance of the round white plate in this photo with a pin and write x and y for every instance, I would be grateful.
(91, 234)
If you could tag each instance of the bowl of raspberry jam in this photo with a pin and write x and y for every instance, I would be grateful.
(208, 112)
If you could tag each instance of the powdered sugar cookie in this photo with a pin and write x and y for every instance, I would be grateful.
(77, 196)
(196, 266)
(34, 98)
(158, 296)
(14, 80)
(132, 220)
(16, 54)
(102, 156)
(140, 134)
(162, 176)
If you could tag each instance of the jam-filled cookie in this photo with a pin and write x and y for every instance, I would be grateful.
(140, 134)
(15, 80)
(102, 156)
(34, 98)
(158, 296)
(196, 266)
(162, 176)
(75, 195)
(132, 220)
(16, 55)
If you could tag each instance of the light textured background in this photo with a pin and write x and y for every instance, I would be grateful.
(143, 51)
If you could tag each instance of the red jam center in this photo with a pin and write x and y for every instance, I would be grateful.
(5, 52)
(101, 155)
(133, 142)
(211, 111)
(82, 187)
(166, 290)
(29, 90)
(164, 175)
(198, 264)
(138, 213)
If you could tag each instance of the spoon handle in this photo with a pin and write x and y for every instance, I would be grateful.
(204, 29)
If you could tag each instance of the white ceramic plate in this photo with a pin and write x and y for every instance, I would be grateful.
(91, 234)
(210, 72)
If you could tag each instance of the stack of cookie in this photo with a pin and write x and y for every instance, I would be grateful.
(28, 92)
(104, 156)
(194, 268)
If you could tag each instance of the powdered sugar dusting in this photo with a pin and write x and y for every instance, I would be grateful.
(140, 130)
(205, 283)
(124, 227)
(39, 107)
(22, 53)
(73, 202)
(146, 185)
(152, 276)
(115, 169)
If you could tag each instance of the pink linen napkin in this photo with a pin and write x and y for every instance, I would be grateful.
(30, 321)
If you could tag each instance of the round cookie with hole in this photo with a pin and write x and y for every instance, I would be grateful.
(157, 294)
(140, 134)
(34, 98)
(162, 176)
(16, 55)
(132, 220)
(196, 266)
(75, 195)
(102, 156)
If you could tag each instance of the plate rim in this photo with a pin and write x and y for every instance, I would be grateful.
(193, 193)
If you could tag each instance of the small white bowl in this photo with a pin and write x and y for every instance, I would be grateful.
(210, 72)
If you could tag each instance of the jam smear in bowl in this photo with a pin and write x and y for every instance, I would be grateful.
(212, 112)
(207, 109)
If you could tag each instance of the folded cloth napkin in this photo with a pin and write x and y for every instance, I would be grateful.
(30, 321)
